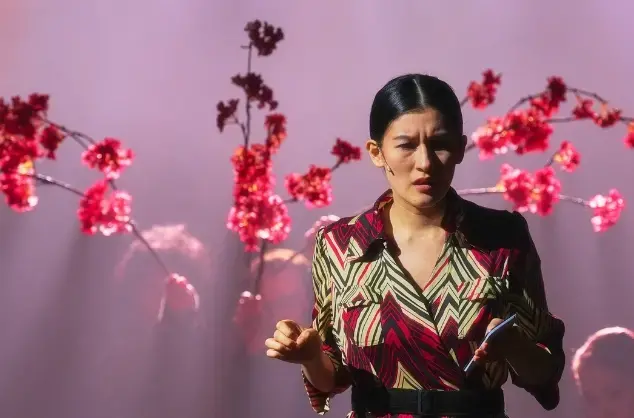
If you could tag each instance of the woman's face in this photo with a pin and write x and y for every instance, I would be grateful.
(419, 155)
(606, 392)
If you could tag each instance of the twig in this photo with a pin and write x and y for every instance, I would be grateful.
(246, 127)
(260, 273)
(496, 190)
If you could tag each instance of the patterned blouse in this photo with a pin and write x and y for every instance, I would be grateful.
(380, 329)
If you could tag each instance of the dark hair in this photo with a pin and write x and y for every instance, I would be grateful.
(610, 347)
(411, 92)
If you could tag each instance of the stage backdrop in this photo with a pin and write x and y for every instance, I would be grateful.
(150, 73)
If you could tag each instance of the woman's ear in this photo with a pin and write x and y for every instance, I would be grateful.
(374, 150)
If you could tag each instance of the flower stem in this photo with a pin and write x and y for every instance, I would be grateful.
(479, 191)
(260, 273)
(247, 107)
(574, 199)
(496, 190)
(153, 252)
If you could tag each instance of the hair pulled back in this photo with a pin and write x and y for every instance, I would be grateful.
(410, 93)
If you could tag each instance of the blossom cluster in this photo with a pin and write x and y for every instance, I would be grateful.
(258, 214)
(26, 136)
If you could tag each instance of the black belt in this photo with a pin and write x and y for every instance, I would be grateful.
(428, 403)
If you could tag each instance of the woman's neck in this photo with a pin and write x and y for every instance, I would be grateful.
(411, 221)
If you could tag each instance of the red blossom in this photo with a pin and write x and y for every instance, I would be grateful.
(517, 186)
(275, 125)
(345, 151)
(225, 113)
(38, 102)
(535, 193)
(106, 214)
(629, 138)
(263, 36)
(18, 187)
(607, 117)
(522, 131)
(255, 90)
(22, 118)
(482, 94)
(108, 157)
(253, 171)
(20, 126)
(567, 156)
(259, 216)
(606, 210)
(15, 151)
(583, 109)
(545, 191)
(547, 103)
(314, 187)
(50, 139)
(180, 295)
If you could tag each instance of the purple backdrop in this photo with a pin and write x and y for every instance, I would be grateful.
(150, 73)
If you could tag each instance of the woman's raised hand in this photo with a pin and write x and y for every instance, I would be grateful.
(293, 343)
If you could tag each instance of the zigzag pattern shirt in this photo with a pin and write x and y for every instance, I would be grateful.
(380, 329)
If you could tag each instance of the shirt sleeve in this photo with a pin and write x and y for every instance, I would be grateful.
(322, 322)
(528, 300)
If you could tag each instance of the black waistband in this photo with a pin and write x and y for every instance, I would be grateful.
(428, 403)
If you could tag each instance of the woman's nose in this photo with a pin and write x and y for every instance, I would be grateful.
(423, 161)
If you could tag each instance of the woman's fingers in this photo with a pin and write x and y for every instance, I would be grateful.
(480, 355)
(273, 344)
(284, 340)
(270, 353)
(289, 328)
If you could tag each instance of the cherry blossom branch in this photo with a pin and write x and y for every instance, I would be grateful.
(86, 141)
(48, 180)
(576, 200)
(498, 190)
(260, 273)
(259, 216)
(27, 135)
(529, 130)
(247, 105)
(539, 192)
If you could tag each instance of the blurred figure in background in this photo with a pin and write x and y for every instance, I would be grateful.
(603, 368)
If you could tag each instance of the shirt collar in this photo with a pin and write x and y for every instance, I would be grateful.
(368, 228)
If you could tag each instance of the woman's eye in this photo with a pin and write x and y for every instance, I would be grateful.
(440, 145)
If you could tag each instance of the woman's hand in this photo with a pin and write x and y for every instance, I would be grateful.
(497, 347)
(294, 344)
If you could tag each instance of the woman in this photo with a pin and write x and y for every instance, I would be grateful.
(604, 371)
(406, 291)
